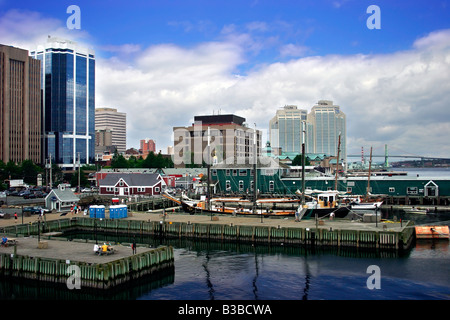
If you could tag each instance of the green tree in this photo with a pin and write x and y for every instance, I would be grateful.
(29, 171)
(118, 161)
(298, 160)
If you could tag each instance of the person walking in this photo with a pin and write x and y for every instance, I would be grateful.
(133, 245)
(15, 217)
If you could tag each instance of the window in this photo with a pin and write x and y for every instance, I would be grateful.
(227, 185)
(156, 189)
(241, 185)
(411, 190)
(234, 172)
(214, 172)
(242, 172)
(391, 189)
(349, 189)
(228, 172)
(271, 186)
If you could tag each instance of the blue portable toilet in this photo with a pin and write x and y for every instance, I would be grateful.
(121, 211)
(92, 211)
(113, 212)
(100, 212)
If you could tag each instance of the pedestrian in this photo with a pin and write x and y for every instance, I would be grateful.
(133, 245)
(15, 217)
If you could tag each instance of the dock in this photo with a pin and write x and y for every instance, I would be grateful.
(384, 235)
(48, 258)
(54, 261)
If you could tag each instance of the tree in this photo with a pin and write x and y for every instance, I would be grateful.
(29, 171)
(298, 160)
(118, 161)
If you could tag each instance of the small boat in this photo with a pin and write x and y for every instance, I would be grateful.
(326, 204)
(357, 203)
(414, 210)
(432, 232)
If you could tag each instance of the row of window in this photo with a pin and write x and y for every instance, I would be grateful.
(138, 189)
(242, 185)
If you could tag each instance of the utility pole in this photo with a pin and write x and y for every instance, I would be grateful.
(51, 175)
(79, 169)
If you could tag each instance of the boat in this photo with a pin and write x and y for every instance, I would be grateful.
(325, 204)
(432, 232)
(357, 203)
(414, 210)
(322, 205)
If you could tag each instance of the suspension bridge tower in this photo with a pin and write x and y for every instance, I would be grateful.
(386, 163)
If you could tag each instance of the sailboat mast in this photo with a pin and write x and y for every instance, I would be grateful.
(370, 172)
(337, 164)
(255, 160)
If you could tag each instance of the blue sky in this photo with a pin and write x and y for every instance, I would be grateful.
(253, 57)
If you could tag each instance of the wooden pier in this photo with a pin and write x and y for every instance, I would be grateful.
(54, 261)
(387, 235)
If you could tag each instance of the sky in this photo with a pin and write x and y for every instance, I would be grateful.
(163, 62)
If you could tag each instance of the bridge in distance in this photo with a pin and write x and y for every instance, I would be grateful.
(399, 156)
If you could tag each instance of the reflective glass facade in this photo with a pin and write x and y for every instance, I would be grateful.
(68, 86)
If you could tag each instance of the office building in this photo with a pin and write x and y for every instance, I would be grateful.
(288, 130)
(68, 95)
(20, 106)
(328, 122)
(116, 122)
(228, 137)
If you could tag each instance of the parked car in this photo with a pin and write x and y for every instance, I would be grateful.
(40, 194)
(29, 196)
(35, 210)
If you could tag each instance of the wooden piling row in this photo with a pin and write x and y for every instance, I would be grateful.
(321, 236)
(99, 276)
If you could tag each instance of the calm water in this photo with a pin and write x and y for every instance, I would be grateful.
(217, 271)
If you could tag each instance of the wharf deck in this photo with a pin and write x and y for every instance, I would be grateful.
(68, 250)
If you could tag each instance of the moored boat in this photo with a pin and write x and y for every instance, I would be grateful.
(432, 232)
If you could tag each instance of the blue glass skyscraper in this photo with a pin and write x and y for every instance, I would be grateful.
(68, 94)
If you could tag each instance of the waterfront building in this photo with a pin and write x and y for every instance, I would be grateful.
(328, 122)
(276, 178)
(228, 137)
(20, 106)
(239, 178)
(289, 129)
(117, 122)
(68, 95)
(130, 184)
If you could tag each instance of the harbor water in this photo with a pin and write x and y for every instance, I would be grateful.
(233, 271)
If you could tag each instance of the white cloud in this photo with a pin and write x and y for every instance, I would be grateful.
(27, 29)
(400, 99)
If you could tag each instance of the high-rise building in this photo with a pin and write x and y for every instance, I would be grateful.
(229, 139)
(68, 95)
(116, 122)
(147, 146)
(328, 123)
(20, 106)
(288, 130)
